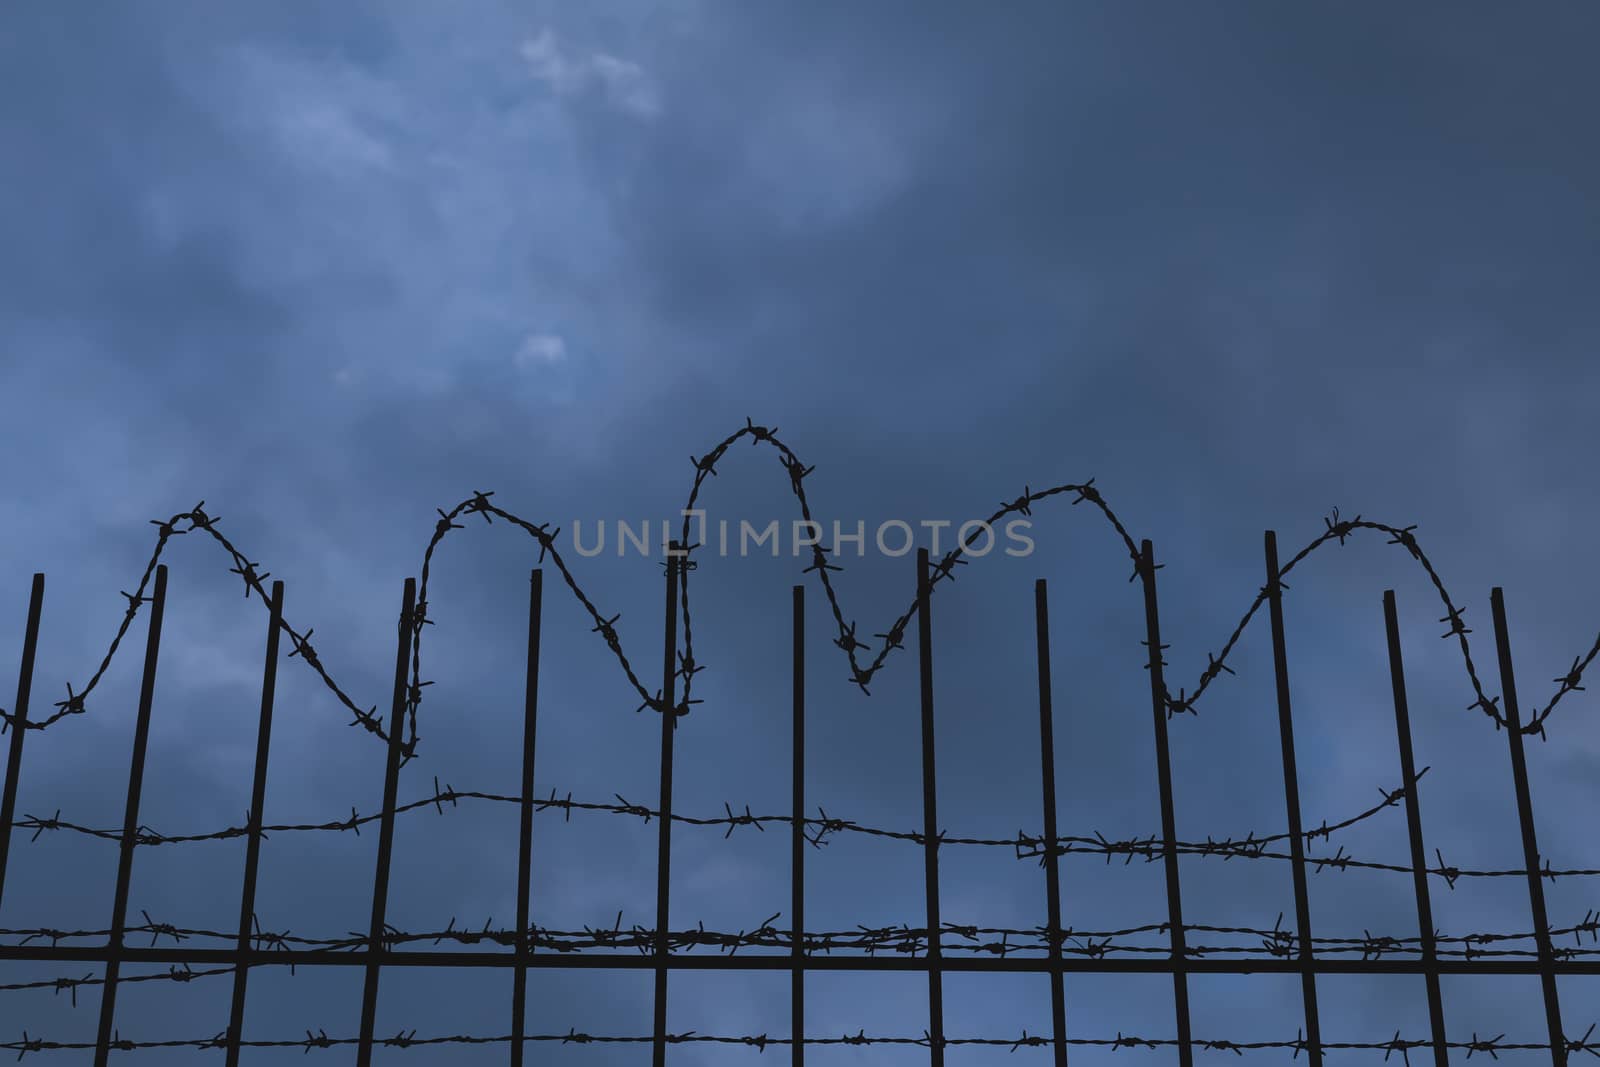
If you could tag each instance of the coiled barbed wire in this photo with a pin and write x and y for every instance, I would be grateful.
(705, 467)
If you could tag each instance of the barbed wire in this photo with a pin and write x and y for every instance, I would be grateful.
(705, 466)
(761, 1042)
(1027, 846)
(902, 939)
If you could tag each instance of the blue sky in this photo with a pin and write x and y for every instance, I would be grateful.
(330, 269)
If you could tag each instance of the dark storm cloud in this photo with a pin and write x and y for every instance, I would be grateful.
(330, 269)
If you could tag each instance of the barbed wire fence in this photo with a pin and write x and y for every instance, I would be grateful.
(1053, 948)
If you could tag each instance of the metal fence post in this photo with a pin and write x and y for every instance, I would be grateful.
(376, 949)
(797, 954)
(252, 854)
(130, 822)
(1169, 833)
(930, 817)
(19, 724)
(530, 711)
(1291, 790)
(1052, 856)
(669, 669)
(1530, 845)
(1419, 862)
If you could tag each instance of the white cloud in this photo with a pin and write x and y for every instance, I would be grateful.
(329, 115)
(570, 71)
(336, 138)
(541, 348)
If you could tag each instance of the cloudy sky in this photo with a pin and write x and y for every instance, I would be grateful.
(329, 269)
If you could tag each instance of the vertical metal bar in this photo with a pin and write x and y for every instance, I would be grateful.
(258, 799)
(1530, 845)
(1419, 862)
(19, 724)
(130, 821)
(391, 785)
(669, 670)
(1291, 791)
(1052, 861)
(530, 715)
(1169, 833)
(930, 817)
(797, 863)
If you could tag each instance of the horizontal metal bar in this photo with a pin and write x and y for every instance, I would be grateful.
(782, 961)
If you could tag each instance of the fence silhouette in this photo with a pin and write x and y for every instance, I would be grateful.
(936, 948)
